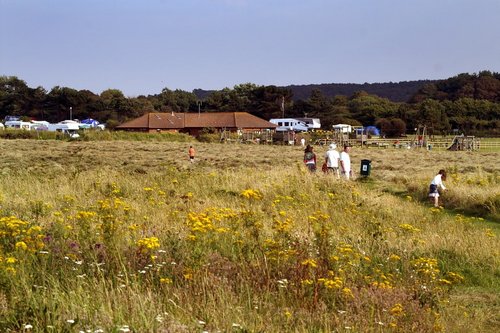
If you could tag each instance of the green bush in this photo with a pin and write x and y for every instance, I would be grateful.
(13, 134)
(209, 137)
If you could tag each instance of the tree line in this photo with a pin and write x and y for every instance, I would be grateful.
(467, 103)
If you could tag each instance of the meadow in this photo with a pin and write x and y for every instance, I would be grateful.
(129, 236)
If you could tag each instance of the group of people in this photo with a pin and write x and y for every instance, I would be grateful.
(340, 165)
(337, 163)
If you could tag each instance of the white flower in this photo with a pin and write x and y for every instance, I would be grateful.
(70, 321)
(282, 283)
(28, 327)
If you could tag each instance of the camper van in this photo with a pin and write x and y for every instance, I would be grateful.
(289, 124)
(312, 123)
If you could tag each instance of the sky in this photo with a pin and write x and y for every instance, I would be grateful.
(143, 46)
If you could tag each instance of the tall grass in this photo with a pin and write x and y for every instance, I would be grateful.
(130, 236)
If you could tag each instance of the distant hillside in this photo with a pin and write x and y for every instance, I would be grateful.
(396, 92)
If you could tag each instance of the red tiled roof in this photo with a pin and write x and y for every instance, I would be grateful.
(196, 120)
(156, 121)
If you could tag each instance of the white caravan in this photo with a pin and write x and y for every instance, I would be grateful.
(289, 124)
(67, 126)
(312, 123)
(24, 125)
(342, 128)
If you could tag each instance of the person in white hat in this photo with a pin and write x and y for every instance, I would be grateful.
(332, 157)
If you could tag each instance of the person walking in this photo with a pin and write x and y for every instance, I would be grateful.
(310, 158)
(332, 157)
(345, 162)
(191, 153)
(437, 182)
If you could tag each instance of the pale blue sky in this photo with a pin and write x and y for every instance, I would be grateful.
(141, 47)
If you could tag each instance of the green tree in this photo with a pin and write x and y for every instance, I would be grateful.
(269, 102)
(368, 108)
(14, 96)
(391, 128)
(175, 100)
(218, 99)
(59, 101)
(432, 114)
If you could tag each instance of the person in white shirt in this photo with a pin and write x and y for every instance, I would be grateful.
(437, 182)
(345, 162)
(332, 157)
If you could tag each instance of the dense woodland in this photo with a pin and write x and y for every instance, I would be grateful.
(466, 103)
(394, 91)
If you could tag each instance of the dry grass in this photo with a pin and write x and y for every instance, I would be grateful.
(247, 259)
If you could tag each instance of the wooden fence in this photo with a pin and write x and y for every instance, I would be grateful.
(438, 144)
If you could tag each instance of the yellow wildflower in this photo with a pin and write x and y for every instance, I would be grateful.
(347, 292)
(251, 194)
(394, 257)
(397, 310)
(150, 243)
(306, 282)
(21, 245)
(166, 280)
(11, 260)
(310, 262)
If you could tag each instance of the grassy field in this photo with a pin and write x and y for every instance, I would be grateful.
(129, 236)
